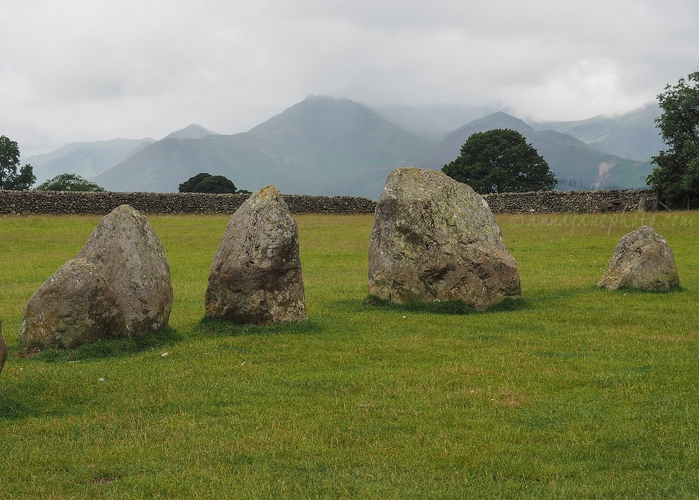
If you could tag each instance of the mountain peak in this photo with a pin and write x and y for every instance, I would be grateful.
(192, 131)
(332, 118)
(499, 119)
(324, 98)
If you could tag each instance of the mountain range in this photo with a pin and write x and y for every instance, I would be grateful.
(632, 135)
(334, 146)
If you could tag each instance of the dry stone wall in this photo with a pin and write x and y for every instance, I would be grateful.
(57, 202)
(51, 202)
(573, 202)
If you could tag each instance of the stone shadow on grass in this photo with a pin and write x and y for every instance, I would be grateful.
(108, 348)
(639, 291)
(449, 306)
(12, 409)
(222, 327)
(546, 297)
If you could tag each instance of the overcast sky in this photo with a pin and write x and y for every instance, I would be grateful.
(79, 70)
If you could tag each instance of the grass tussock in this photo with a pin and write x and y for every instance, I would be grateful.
(566, 392)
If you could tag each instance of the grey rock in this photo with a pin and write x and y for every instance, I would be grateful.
(435, 239)
(132, 260)
(256, 273)
(642, 260)
(75, 306)
(3, 349)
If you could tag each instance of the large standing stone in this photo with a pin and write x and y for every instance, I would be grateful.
(436, 239)
(3, 349)
(256, 273)
(643, 260)
(131, 258)
(74, 306)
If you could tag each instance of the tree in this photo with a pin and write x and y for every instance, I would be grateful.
(216, 184)
(676, 177)
(207, 183)
(9, 161)
(189, 185)
(500, 161)
(68, 182)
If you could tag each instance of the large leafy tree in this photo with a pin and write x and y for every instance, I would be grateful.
(500, 161)
(207, 183)
(9, 161)
(676, 177)
(68, 182)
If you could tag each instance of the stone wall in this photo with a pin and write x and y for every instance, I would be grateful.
(52, 202)
(573, 202)
(49, 202)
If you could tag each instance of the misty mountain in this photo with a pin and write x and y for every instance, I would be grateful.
(192, 131)
(321, 145)
(576, 164)
(432, 121)
(89, 159)
(86, 159)
(632, 135)
(450, 147)
(334, 146)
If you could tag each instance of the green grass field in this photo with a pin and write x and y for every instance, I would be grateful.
(569, 392)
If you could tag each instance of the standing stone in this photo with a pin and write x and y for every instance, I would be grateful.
(256, 274)
(3, 349)
(642, 260)
(435, 239)
(131, 258)
(75, 306)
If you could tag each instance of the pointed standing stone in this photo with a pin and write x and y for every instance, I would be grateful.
(435, 239)
(256, 273)
(131, 258)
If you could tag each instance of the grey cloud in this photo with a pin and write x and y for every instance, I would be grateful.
(79, 70)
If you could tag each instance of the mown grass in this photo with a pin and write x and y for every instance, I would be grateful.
(568, 392)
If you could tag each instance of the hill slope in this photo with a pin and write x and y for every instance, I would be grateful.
(432, 121)
(89, 159)
(321, 145)
(86, 159)
(576, 165)
(632, 135)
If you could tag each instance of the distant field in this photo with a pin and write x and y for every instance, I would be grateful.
(570, 392)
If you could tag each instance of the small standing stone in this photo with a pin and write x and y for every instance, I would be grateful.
(75, 306)
(131, 258)
(435, 239)
(642, 260)
(256, 273)
(3, 349)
